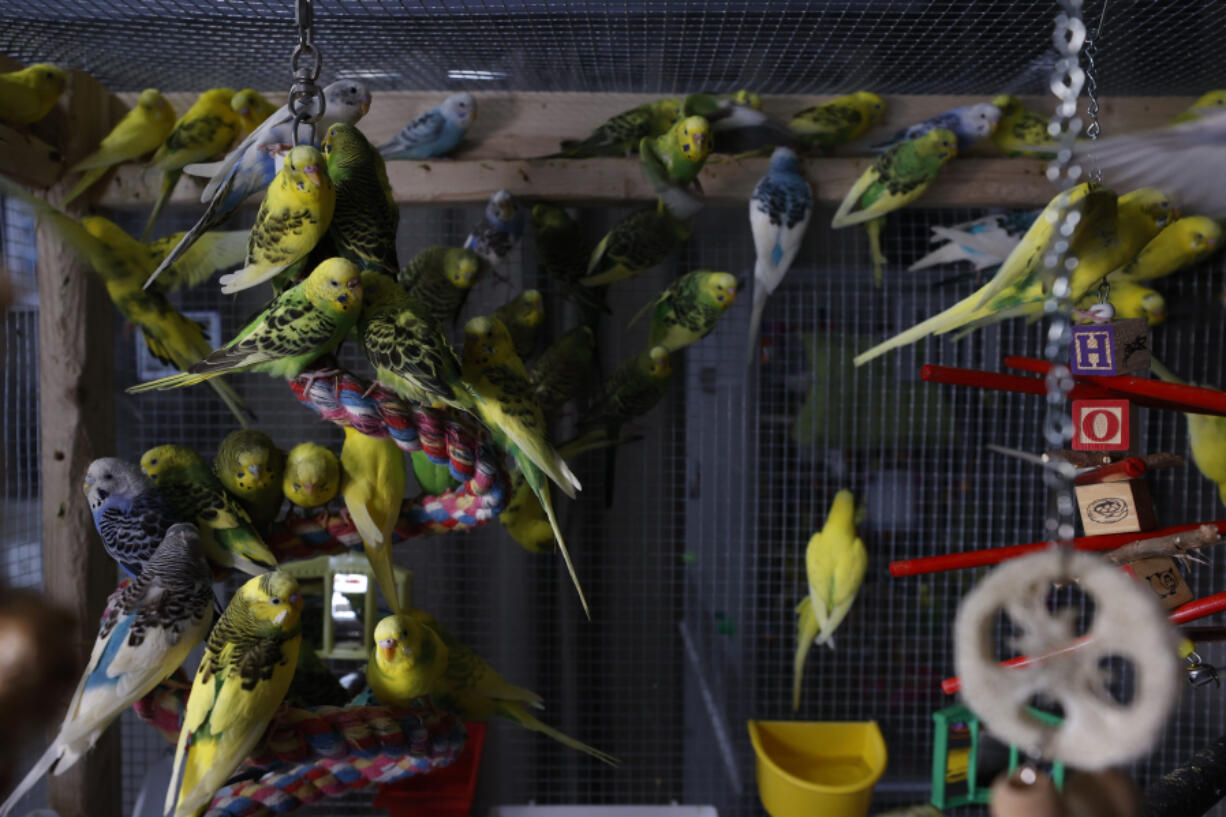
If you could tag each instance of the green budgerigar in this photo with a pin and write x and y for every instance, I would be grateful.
(620, 135)
(894, 179)
(835, 563)
(689, 308)
(440, 278)
(306, 321)
(364, 222)
(560, 372)
(680, 153)
(841, 120)
(1021, 131)
(230, 540)
(251, 468)
(508, 407)
(523, 316)
(636, 243)
(562, 253)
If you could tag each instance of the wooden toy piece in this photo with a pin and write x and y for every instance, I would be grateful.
(1102, 425)
(1027, 792)
(1163, 577)
(1115, 507)
(1114, 348)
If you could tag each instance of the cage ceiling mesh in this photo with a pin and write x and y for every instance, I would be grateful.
(664, 46)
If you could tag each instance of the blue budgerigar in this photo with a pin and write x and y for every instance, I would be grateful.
(499, 231)
(985, 242)
(130, 513)
(251, 166)
(436, 132)
(970, 123)
(779, 212)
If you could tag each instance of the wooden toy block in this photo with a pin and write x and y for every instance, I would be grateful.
(1101, 425)
(1115, 507)
(1112, 348)
(1163, 577)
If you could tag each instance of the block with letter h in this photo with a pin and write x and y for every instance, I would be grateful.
(1110, 348)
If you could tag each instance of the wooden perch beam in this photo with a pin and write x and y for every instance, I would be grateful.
(512, 128)
(1175, 544)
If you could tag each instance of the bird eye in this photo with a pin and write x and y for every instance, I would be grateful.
(297, 487)
(153, 462)
(274, 600)
(333, 282)
(108, 476)
(1197, 236)
(404, 635)
(239, 475)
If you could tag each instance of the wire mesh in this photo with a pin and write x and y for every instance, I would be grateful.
(665, 46)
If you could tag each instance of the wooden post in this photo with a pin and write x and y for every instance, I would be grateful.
(77, 420)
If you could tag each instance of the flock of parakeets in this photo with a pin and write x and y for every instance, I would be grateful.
(325, 241)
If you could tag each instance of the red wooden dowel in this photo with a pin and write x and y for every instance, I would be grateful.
(1131, 468)
(1006, 382)
(1141, 390)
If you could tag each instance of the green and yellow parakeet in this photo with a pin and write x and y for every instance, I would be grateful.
(246, 670)
(680, 153)
(841, 120)
(29, 94)
(306, 321)
(140, 131)
(523, 316)
(1180, 244)
(562, 253)
(293, 217)
(439, 279)
(1206, 437)
(636, 243)
(1021, 131)
(364, 222)
(524, 518)
(560, 372)
(1129, 301)
(415, 656)
(620, 135)
(835, 562)
(894, 179)
(215, 251)
(204, 130)
(251, 468)
(1209, 104)
(689, 308)
(508, 407)
(312, 475)
(372, 483)
(184, 478)
(252, 109)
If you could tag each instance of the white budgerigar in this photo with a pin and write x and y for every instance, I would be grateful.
(985, 242)
(779, 212)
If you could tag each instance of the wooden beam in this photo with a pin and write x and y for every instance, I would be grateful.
(511, 128)
(77, 423)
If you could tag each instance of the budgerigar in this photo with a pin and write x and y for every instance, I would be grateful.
(1021, 131)
(1210, 103)
(985, 242)
(28, 94)
(779, 213)
(439, 279)
(251, 467)
(560, 372)
(141, 130)
(969, 123)
(408, 350)
(841, 120)
(895, 179)
(294, 215)
(253, 110)
(835, 562)
(130, 513)
(523, 316)
(213, 252)
(508, 407)
(123, 264)
(680, 153)
(436, 132)
(363, 227)
(298, 326)
(415, 656)
(1206, 437)
(689, 308)
(1181, 244)
(620, 135)
(372, 483)
(312, 475)
(206, 129)
(248, 663)
(524, 518)
(499, 231)
(635, 244)
(252, 165)
(187, 482)
(562, 253)
(737, 127)
(144, 637)
(1129, 300)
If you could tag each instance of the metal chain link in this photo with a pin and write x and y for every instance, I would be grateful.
(306, 98)
(1066, 83)
(1095, 127)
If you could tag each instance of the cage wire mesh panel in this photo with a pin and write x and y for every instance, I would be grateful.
(771, 46)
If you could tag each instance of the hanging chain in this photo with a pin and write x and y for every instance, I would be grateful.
(1066, 83)
(1095, 127)
(306, 98)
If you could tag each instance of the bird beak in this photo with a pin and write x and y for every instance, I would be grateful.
(312, 173)
(388, 648)
(308, 487)
(365, 104)
(254, 470)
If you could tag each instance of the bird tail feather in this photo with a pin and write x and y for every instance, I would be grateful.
(518, 715)
(40, 770)
(540, 487)
(755, 318)
(806, 634)
(169, 179)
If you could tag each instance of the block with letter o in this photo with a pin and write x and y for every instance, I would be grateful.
(1101, 425)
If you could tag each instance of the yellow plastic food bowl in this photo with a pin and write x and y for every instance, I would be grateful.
(817, 768)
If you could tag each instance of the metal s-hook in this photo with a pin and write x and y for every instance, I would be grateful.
(306, 99)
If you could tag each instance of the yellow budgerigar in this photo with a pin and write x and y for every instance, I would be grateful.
(140, 131)
(294, 215)
(213, 252)
(1129, 301)
(312, 475)
(246, 670)
(372, 483)
(204, 130)
(835, 562)
(29, 94)
(252, 109)
(1206, 436)
(1181, 244)
(1210, 103)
